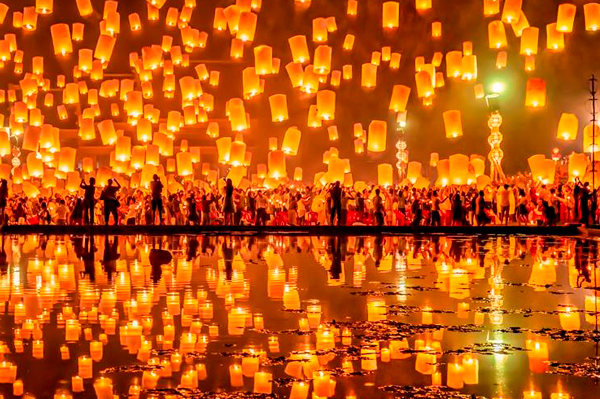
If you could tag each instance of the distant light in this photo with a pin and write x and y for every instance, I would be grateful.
(498, 87)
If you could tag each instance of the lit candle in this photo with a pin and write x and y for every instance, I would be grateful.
(314, 315)
(426, 361)
(236, 321)
(104, 388)
(250, 364)
(263, 382)
(235, 375)
(325, 340)
(64, 352)
(560, 395)
(463, 310)
(368, 358)
(187, 343)
(427, 316)
(259, 321)
(436, 379)
(38, 349)
(303, 324)
(149, 379)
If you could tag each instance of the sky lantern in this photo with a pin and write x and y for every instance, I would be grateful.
(591, 138)
(247, 26)
(61, 39)
(5, 147)
(66, 159)
(529, 63)
(422, 5)
(232, 14)
(385, 174)
(174, 121)
(104, 48)
(123, 149)
(497, 35)
(134, 104)
(592, 16)
(263, 60)
(319, 30)
(459, 169)
(521, 24)
(359, 146)
(326, 104)
(391, 15)
(223, 149)
(377, 136)
(578, 164)
(511, 11)
(477, 165)
(332, 132)
(529, 41)
(291, 141)
(453, 123)
(85, 60)
(250, 82)
(35, 165)
(369, 75)
(555, 40)
(276, 164)
(279, 109)
(220, 20)
(138, 157)
(469, 67)
(436, 29)
(413, 171)
(29, 18)
(135, 23)
(399, 100)
(536, 93)
(237, 115)
(184, 164)
(299, 48)
(424, 84)
(454, 64)
(491, 7)
(152, 154)
(566, 17)
(107, 132)
(212, 130)
(322, 60)
(348, 42)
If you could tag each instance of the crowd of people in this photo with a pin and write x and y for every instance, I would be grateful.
(518, 201)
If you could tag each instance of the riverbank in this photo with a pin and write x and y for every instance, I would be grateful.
(569, 230)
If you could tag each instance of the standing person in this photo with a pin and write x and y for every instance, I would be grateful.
(522, 212)
(61, 213)
(228, 208)
(584, 206)
(436, 219)
(293, 209)
(193, 217)
(111, 204)
(261, 209)
(378, 208)
(89, 191)
(336, 203)
(3, 200)
(505, 205)
(206, 201)
(157, 202)
(416, 210)
(77, 212)
(481, 216)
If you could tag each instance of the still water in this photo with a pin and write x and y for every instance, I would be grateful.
(299, 317)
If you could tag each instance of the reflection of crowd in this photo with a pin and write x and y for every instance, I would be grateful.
(520, 202)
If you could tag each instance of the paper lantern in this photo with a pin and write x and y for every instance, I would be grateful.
(555, 40)
(276, 163)
(479, 91)
(35, 165)
(44, 6)
(536, 93)
(529, 41)
(568, 127)
(422, 5)
(469, 67)
(566, 17)
(542, 169)
(5, 147)
(61, 39)
(591, 138)
(123, 149)
(250, 82)
(359, 146)
(272, 143)
(247, 26)
(501, 59)
(459, 169)
(322, 62)
(436, 29)
(348, 42)
(299, 48)
(520, 25)
(377, 136)
(237, 153)
(87, 130)
(104, 48)
(279, 110)
(319, 30)
(413, 171)
(491, 7)
(332, 132)
(369, 75)
(295, 73)
(263, 60)
(478, 166)
(578, 164)
(237, 114)
(530, 63)
(391, 15)
(453, 123)
(511, 11)
(399, 100)
(424, 84)
(174, 121)
(592, 16)
(454, 64)
(184, 164)
(385, 174)
(66, 159)
(291, 141)
(326, 104)
(223, 149)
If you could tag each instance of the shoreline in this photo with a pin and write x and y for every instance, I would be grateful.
(567, 230)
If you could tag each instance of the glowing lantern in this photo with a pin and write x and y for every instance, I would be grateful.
(247, 26)
(578, 164)
(491, 7)
(519, 26)
(469, 67)
(529, 41)
(511, 11)
(391, 14)
(291, 141)
(436, 29)
(333, 133)
(592, 16)
(399, 100)
(369, 75)
(453, 124)
(104, 48)
(422, 5)
(478, 166)
(71, 94)
(263, 60)
(459, 169)
(299, 49)
(536, 93)
(530, 63)
(223, 149)
(413, 171)
(35, 165)
(566, 17)
(66, 160)
(454, 64)
(174, 121)
(87, 129)
(237, 114)
(326, 104)
(319, 30)
(377, 136)
(322, 63)
(134, 104)
(348, 42)
(276, 164)
(237, 153)
(479, 91)
(123, 149)
(424, 84)
(184, 164)
(359, 146)
(591, 138)
(501, 59)
(279, 110)
(568, 127)
(5, 147)
(61, 39)
(385, 174)
(77, 34)
(107, 132)
(134, 22)
(555, 40)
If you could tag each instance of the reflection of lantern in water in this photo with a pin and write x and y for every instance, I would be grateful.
(538, 356)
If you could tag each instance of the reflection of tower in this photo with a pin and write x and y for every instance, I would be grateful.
(495, 139)
(401, 152)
